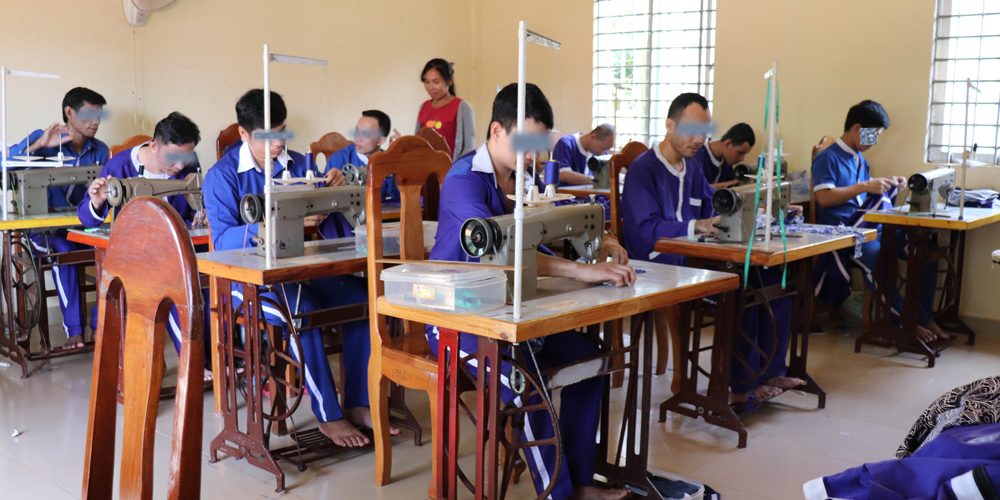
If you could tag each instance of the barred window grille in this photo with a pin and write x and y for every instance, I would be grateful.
(645, 53)
(966, 46)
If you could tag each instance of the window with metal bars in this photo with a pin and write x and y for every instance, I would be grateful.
(966, 47)
(645, 53)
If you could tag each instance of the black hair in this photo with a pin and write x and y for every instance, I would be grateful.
(384, 124)
(177, 129)
(603, 131)
(739, 134)
(77, 96)
(868, 114)
(536, 106)
(250, 110)
(681, 102)
(444, 68)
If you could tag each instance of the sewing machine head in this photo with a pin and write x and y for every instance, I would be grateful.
(354, 175)
(290, 207)
(601, 169)
(492, 239)
(746, 173)
(735, 206)
(31, 186)
(120, 191)
(929, 190)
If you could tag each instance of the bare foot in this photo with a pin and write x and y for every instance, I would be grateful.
(595, 493)
(760, 393)
(361, 416)
(73, 342)
(925, 335)
(342, 433)
(785, 383)
(938, 332)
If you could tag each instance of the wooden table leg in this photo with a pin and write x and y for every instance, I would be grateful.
(447, 425)
(214, 322)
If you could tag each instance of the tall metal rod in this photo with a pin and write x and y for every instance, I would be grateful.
(772, 76)
(268, 162)
(3, 126)
(522, 34)
(965, 148)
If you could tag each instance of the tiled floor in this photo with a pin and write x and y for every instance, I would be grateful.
(873, 399)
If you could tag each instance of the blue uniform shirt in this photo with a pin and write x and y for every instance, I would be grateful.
(349, 154)
(237, 174)
(571, 155)
(716, 169)
(94, 152)
(123, 166)
(470, 190)
(660, 202)
(835, 167)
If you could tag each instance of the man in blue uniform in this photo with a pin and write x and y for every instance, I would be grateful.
(842, 182)
(477, 186)
(573, 151)
(667, 196)
(240, 172)
(370, 133)
(717, 158)
(82, 109)
(170, 155)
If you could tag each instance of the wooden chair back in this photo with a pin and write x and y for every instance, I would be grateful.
(824, 142)
(164, 256)
(619, 162)
(130, 143)
(227, 137)
(435, 139)
(328, 144)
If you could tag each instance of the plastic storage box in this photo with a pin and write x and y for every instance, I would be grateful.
(461, 289)
(390, 237)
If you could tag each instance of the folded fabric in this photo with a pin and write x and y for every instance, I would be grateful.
(977, 198)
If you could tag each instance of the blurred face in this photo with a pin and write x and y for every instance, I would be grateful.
(85, 120)
(368, 137)
(688, 133)
(861, 139)
(734, 154)
(171, 159)
(257, 145)
(435, 84)
(602, 147)
(503, 154)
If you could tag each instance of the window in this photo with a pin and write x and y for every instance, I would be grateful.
(645, 53)
(966, 46)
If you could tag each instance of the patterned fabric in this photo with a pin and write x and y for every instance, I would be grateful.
(971, 404)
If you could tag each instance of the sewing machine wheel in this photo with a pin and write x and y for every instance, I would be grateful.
(116, 192)
(726, 201)
(277, 365)
(479, 236)
(251, 209)
(27, 300)
(353, 175)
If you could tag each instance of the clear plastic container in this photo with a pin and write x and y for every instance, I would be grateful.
(462, 289)
(390, 237)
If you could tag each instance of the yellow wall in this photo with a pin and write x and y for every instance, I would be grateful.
(832, 55)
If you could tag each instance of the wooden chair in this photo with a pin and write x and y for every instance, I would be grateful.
(824, 142)
(435, 139)
(662, 319)
(328, 144)
(164, 256)
(130, 143)
(405, 359)
(227, 137)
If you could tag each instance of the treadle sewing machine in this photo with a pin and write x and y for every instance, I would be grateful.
(737, 217)
(120, 191)
(929, 190)
(601, 170)
(492, 239)
(290, 207)
(32, 186)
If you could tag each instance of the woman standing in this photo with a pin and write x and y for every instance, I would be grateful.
(445, 112)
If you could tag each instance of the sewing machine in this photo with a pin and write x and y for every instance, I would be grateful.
(289, 208)
(354, 175)
(492, 239)
(747, 173)
(929, 190)
(31, 186)
(120, 191)
(735, 206)
(601, 170)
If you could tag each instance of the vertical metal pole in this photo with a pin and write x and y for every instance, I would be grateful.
(268, 162)
(522, 33)
(3, 125)
(965, 152)
(771, 145)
